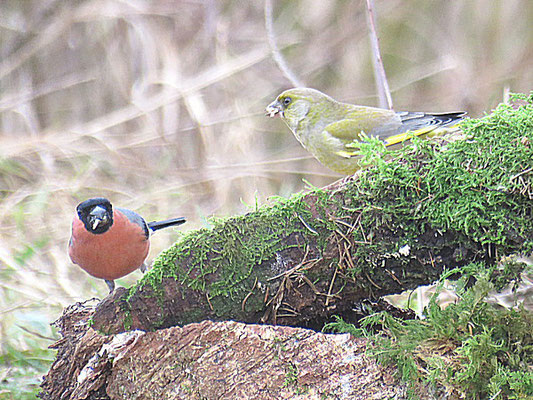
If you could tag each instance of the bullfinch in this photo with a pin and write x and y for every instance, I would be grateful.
(110, 243)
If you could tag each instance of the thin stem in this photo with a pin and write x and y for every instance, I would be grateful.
(276, 54)
(385, 99)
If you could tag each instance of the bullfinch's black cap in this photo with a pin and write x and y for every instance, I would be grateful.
(96, 214)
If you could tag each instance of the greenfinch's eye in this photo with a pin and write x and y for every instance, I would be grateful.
(287, 101)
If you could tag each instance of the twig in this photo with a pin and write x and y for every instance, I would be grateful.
(248, 295)
(526, 171)
(278, 297)
(276, 54)
(306, 225)
(391, 274)
(35, 333)
(385, 99)
(372, 282)
(331, 284)
(267, 293)
(349, 258)
(209, 301)
(309, 283)
(290, 271)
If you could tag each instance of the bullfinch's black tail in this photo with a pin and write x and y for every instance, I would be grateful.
(156, 225)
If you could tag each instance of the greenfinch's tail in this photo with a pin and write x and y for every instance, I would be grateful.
(420, 124)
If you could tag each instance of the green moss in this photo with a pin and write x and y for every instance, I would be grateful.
(217, 260)
(473, 349)
(481, 188)
(468, 186)
(127, 318)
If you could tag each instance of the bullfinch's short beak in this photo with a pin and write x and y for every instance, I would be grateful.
(274, 108)
(97, 216)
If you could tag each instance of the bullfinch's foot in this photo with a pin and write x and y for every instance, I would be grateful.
(110, 285)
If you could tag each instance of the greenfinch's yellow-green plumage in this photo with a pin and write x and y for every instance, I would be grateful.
(329, 129)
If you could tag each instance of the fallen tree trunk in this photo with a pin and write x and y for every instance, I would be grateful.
(436, 206)
(310, 270)
(298, 262)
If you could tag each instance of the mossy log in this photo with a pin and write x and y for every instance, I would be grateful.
(433, 206)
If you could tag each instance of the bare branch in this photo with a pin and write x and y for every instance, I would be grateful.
(276, 54)
(385, 99)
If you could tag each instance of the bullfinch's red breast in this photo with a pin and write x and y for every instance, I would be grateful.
(108, 242)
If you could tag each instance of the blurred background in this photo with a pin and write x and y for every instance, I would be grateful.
(159, 106)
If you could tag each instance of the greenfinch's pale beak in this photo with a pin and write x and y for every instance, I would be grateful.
(274, 108)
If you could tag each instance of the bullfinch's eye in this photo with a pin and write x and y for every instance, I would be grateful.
(287, 101)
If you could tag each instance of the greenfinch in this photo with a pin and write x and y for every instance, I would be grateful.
(330, 130)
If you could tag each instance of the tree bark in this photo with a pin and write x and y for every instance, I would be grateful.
(212, 360)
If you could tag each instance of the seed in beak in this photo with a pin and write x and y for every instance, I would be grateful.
(272, 111)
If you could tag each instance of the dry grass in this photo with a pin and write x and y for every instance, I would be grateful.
(158, 105)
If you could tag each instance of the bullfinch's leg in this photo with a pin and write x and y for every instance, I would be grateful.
(110, 285)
